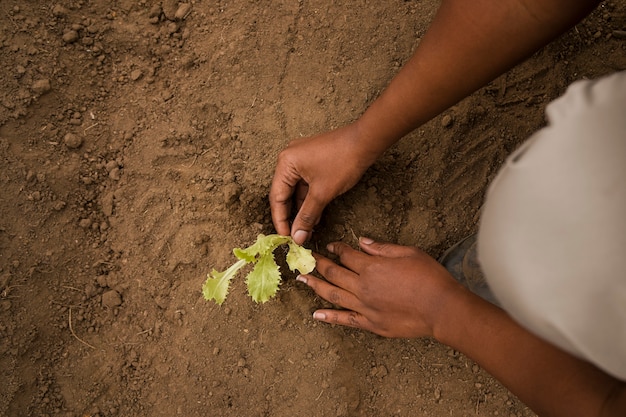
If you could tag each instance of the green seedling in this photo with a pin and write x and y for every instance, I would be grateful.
(264, 279)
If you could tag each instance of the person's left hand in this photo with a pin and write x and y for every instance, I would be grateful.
(390, 290)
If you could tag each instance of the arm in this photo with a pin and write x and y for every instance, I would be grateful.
(398, 291)
(467, 45)
(548, 380)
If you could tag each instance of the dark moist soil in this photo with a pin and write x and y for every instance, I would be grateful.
(137, 145)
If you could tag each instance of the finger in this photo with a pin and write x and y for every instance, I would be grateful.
(280, 207)
(331, 293)
(336, 274)
(386, 249)
(343, 317)
(308, 216)
(349, 257)
(281, 192)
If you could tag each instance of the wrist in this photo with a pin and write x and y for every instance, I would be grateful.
(449, 319)
(363, 144)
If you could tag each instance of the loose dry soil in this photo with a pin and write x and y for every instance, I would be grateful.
(137, 145)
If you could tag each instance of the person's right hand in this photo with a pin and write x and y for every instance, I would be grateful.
(310, 173)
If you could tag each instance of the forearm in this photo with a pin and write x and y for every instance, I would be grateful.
(467, 45)
(548, 380)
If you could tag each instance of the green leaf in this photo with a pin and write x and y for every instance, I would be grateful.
(217, 283)
(264, 279)
(300, 258)
(262, 246)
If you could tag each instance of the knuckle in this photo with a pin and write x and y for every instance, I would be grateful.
(353, 319)
(307, 219)
(332, 271)
(334, 297)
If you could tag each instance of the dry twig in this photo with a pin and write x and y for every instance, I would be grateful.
(74, 334)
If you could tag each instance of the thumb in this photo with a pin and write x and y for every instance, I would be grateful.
(308, 216)
(389, 250)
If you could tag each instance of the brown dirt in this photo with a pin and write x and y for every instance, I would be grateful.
(136, 150)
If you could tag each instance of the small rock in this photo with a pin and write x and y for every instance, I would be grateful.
(619, 34)
(106, 203)
(41, 86)
(167, 95)
(231, 192)
(170, 7)
(70, 36)
(437, 393)
(136, 75)
(111, 299)
(182, 11)
(172, 28)
(85, 223)
(102, 280)
(58, 205)
(446, 120)
(111, 165)
(59, 11)
(155, 11)
(4, 281)
(90, 290)
(72, 141)
(115, 174)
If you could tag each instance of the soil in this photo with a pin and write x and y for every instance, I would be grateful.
(137, 145)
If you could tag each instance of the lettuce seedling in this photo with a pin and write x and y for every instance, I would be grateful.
(264, 279)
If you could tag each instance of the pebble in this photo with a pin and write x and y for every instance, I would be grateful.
(136, 75)
(155, 11)
(41, 86)
(170, 7)
(72, 141)
(59, 11)
(437, 393)
(111, 299)
(111, 165)
(70, 36)
(90, 290)
(446, 120)
(85, 223)
(231, 192)
(102, 280)
(619, 34)
(182, 11)
(115, 174)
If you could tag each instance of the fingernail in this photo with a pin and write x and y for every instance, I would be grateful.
(330, 247)
(300, 236)
(318, 315)
(366, 240)
(302, 279)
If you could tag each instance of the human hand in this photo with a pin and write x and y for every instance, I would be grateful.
(310, 173)
(390, 290)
